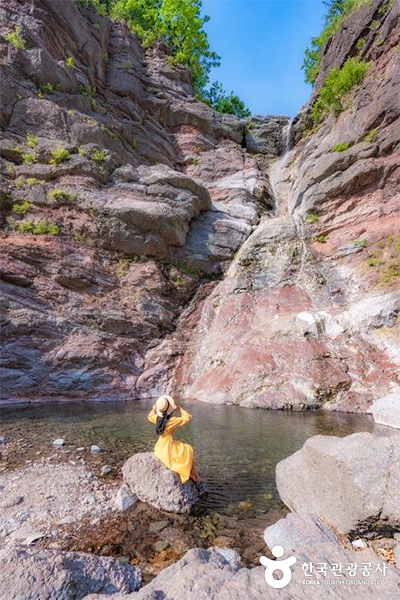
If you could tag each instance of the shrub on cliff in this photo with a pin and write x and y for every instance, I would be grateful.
(219, 100)
(180, 24)
(338, 10)
(336, 84)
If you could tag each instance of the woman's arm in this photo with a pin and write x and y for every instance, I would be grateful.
(184, 418)
(152, 417)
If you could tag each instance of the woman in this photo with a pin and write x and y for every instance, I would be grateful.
(174, 454)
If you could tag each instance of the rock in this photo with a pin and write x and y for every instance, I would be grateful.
(160, 545)
(124, 498)
(94, 449)
(67, 520)
(328, 478)
(10, 502)
(397, 557)
(105, 470)
(215, 573)
(153, 483)
(359, 544)
(31, 573)
(158, 526)
(265, 134)
(3, 439)
(386, 410)
(59, 442)
(26, 535)
(396, 536)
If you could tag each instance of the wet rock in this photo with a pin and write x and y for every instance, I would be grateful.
(153, 483)
(350, 482)
(125, 498)
(386, 411)
(32, 573)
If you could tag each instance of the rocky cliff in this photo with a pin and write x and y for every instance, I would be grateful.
(150, 243)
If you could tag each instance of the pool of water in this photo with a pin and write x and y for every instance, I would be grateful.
(236, 449)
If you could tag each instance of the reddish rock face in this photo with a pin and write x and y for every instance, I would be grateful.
(172, 249)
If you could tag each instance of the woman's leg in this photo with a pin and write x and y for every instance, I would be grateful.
(195, 476)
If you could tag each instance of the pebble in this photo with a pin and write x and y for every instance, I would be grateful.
(2, 439)
(359, 544)
(59, 442)
(94, 449)
(80, 449)
(66, 521)
(105, 470)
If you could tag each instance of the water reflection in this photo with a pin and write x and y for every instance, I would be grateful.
(236, 449)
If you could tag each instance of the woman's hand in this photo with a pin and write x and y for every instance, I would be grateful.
(154, 407)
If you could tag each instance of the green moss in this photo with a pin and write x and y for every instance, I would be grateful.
(375, 25)
(22, 207)
(195, 161)
(24, 226)
(380, 42)
(386, 260)
(37, 228)
(46, 88)
(70, 62)
(126, 65)
(82, 152)
(311, 218)
(93, 104)
(322, 239)
(371, 135)
(58, 194)
(58, 156)
(32, 181)
(15, 39)
(10, 170)
(28, 158)
(133, 144)
(104, 58)
(31, 140)
(98, 156)
(360, 243)
(341, 147)
(186, 269)
(19, 182)
(360, 44)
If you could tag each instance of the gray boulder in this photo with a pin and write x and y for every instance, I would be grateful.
(349, 482)
(386, 411)
(153, 483)
(34, 574)
(265, 135)
(215, 573)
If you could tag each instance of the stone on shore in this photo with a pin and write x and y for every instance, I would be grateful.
(153, 483)
(386, 411)
(31, 574)
(124, 498)
(351, 483)
(59, 442)
(215, 573)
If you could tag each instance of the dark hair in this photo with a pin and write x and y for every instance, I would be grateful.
(161, 423)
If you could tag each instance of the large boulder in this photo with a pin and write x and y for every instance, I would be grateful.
(215, 573)
(386, 411)
(153, 483)
(350, 482)
(34, 574)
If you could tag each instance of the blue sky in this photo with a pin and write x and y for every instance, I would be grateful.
(261, 44)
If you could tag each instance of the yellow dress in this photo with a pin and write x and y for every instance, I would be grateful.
(174, 454)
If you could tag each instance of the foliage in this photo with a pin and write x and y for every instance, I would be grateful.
(126, 65)
(322, 239)
(28, 158)
(22, 207)
(98, 156)
(15, 39)
(46, 88)
(311, 218)
(19, 182)
(219, 100)
(341, 146)
(31, 140)
(386, 260)
(133, 143)
(371, 135)
(58, 156)
(32, 181)
(70, 62)
(360, 243)
(336, 84)
(338, 10)
(58, 194)
(380, 42)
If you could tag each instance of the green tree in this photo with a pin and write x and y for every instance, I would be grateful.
(217, 98)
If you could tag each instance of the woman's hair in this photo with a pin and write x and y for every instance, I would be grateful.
(161, 423)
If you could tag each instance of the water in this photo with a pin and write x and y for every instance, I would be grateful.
(236, 449)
